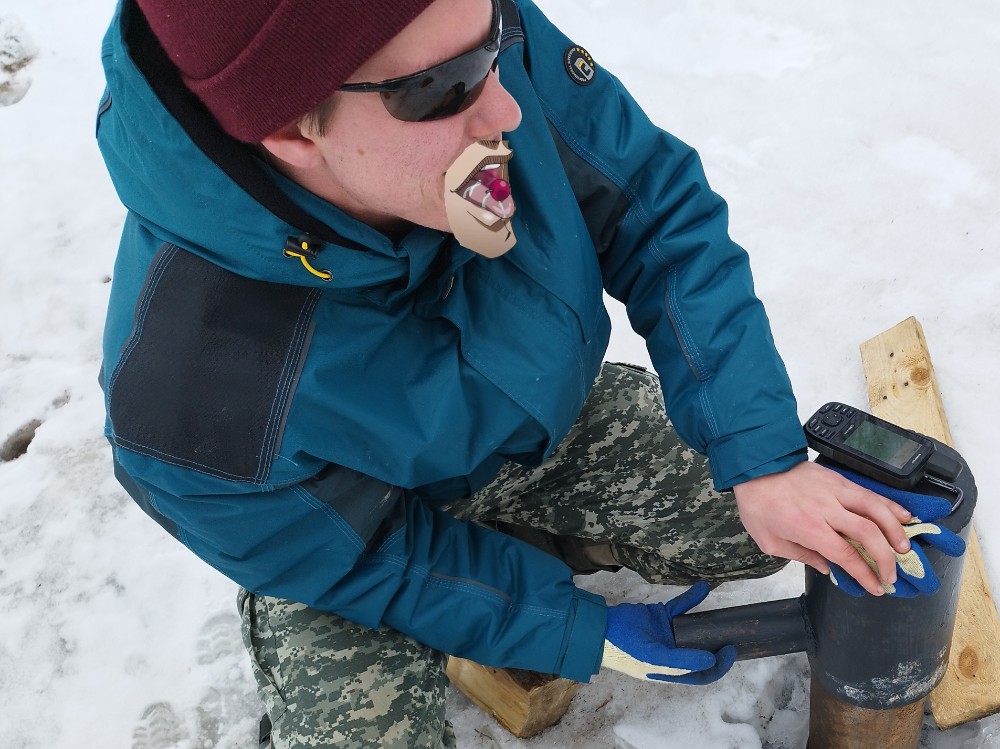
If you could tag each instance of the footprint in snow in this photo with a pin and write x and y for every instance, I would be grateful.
(219, 638)
(159, 728)
(228, 708)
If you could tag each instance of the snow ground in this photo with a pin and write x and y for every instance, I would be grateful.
(856, 143)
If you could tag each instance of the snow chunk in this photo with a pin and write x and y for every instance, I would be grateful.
(16, 53)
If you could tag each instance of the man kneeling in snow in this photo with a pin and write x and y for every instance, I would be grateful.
(354, 353)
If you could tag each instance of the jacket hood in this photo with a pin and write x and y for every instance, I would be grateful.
(194, 186)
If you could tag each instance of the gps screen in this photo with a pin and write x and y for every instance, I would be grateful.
(889, 447)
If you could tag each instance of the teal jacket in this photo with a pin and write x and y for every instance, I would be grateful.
(301, 436)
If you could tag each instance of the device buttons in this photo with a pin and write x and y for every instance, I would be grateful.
(833, 419)
(839, 408)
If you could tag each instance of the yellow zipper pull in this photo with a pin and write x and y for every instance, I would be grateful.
(302, 248)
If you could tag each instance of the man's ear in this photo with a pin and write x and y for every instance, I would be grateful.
(293, 146)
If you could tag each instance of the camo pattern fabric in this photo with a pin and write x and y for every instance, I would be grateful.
(623, 477)
(327, 682)
(621, 480)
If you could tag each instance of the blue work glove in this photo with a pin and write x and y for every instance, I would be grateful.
(640, 642)
(914, 574)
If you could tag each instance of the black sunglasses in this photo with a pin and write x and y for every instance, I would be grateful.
(443, 90)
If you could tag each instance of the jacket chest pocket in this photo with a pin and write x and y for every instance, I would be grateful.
(526, 341)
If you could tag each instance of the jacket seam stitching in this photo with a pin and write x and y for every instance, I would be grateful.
(594, 159)
(680, 325)
(180, 462)
(167, 252)
(333, 515)
(285, 381)
(471, 587)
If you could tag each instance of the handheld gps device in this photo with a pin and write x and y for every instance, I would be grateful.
(876, 448)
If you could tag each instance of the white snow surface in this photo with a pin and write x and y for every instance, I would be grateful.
(857, 145)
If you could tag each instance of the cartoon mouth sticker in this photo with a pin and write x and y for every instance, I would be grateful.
(477, 198)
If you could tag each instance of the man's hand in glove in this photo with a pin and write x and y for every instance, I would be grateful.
(914, 572)
(640, 642)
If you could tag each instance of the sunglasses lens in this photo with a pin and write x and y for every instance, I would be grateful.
(450, 88)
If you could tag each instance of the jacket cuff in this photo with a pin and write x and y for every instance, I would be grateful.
(757, 452)
(775, 466)
(583, 646)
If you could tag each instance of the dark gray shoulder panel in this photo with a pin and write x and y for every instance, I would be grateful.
(601, 201)
(142, 498)
(207, 375)
(511, 17)
(373, 508)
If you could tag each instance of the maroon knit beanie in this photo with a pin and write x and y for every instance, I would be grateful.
(260, 64)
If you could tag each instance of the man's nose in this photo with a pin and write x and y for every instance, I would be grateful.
(494, 112)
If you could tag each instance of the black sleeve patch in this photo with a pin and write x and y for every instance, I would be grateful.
(206, 377)
(371, 507)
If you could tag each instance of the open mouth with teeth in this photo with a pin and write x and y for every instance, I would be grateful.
(478, 198)
(487, 188)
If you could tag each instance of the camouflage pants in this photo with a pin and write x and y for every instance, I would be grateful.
(328, 682)
(621, 489)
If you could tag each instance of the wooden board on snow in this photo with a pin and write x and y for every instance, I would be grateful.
(903, 389)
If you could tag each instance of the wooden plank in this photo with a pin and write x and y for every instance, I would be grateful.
(523, 702)
(902, 386)
(903, 389)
